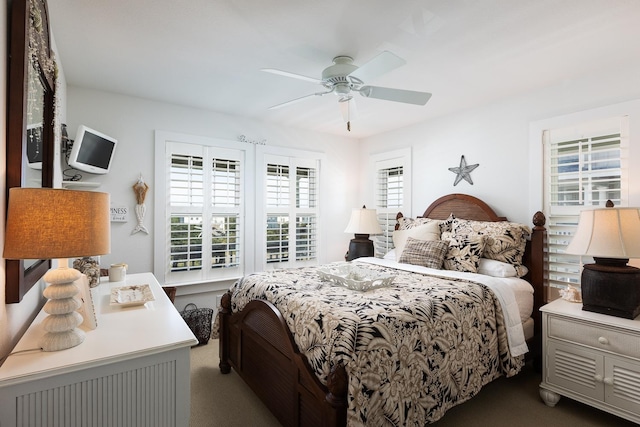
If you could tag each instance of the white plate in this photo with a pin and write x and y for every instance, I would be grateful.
(126, 296)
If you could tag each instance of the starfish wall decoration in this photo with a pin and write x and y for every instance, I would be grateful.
(463, 171)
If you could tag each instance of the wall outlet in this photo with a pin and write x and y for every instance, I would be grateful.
(218, 300)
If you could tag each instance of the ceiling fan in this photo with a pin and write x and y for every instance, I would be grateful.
(344, 79)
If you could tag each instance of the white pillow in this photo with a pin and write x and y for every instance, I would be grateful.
(428, 231)
(391, 255)
(491, 267)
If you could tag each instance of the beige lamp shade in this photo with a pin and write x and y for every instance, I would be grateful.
(363, 221)
(607, 233)
(46, 223)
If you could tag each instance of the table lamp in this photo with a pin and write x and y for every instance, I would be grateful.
(46, 223)
(611, 236)
(363, 222)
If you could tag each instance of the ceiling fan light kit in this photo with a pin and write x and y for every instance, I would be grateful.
(344, 78)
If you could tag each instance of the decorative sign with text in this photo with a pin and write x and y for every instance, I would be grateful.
(119, 214)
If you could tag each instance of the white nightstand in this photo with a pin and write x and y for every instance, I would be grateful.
(592, 358)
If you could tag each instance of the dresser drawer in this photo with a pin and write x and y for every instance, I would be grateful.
(594, 335)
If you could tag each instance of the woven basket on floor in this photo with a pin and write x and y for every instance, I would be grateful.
(199, 321)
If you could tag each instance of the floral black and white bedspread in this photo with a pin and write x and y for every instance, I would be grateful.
(411, 350)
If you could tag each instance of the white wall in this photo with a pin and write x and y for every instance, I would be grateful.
(497, 137)
(133, 121)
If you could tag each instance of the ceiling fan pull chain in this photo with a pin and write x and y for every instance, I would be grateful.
(349, 126)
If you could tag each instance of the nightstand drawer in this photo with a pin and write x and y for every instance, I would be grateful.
(595, 336)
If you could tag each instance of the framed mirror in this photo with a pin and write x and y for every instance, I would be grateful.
(30, 122)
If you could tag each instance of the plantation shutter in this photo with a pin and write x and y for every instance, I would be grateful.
(391, 175)
(292, 211)
(225, 213)
(186, 199)
(585, 165)
(389, 201)
(278, 189)
(306, 222)
(204, 223)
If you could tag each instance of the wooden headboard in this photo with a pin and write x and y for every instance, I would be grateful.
(461, 206)
(464, 206)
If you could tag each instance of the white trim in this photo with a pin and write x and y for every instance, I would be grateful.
(399, 157)
(388, 160)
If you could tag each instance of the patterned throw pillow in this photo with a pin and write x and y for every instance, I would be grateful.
(447, 224)
(428, 253)
(464, 251)
(409, 223)
(505, 242)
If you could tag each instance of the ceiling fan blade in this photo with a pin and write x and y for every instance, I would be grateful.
(377, 66)
(293, 101)
(348, 109)
(397, 95)
(295, 76)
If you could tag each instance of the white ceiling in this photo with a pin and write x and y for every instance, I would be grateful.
(208, 53)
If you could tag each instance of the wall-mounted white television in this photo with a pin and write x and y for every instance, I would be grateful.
(92, 151)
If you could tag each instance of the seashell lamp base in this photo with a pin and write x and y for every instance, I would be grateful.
(55, 341)
(61, 324)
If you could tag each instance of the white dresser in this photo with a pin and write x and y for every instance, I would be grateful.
(133, 370)
(592, 358)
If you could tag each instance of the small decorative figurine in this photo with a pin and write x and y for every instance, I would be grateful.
(570, 294)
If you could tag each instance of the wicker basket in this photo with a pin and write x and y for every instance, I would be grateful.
(199, 321)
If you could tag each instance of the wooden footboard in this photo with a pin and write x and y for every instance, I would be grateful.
(257, 344)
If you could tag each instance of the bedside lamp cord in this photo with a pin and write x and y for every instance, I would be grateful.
(17, 352)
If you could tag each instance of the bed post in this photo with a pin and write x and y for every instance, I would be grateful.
(539, 260)
(338, 385)
(224, 313)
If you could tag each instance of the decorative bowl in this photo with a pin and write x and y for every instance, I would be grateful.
(354, 277)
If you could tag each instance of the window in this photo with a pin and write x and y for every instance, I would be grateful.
(585, 165)
(392, 185)
(222, 213)
(306, 224)
(204, 213)
(291, 211)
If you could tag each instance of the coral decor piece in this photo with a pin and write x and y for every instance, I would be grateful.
(140, 188)
(91, 267)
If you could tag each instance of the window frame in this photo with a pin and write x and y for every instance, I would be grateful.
(293, 158)
(162, 211)
(537, 183)
(387, 215)
(565, 269)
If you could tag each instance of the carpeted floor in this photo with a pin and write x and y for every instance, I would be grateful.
(225, 401)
